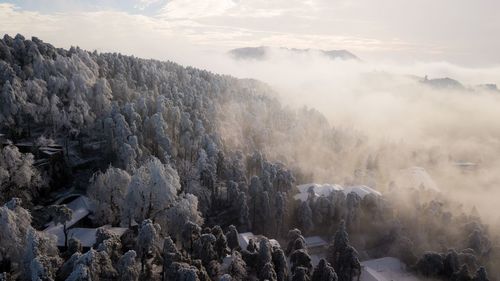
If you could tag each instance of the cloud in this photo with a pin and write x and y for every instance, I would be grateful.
(194, 9)
(143, 4)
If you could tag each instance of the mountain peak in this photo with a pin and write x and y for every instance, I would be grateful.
(262, 53)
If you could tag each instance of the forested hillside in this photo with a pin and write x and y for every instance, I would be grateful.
(185, 159)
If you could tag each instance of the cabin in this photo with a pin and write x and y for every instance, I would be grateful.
(385, 269)
(244, 239)
(315, 244)
(317, 248)
(81, 208)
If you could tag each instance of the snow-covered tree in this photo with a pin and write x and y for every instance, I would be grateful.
(237, 268)
(324, 272)
(128, 269)
(190, 233)
(107, 191)
(182, 211)
(18, 176)
(301, 259)
(147, 241)
(41, 260)
(81, 273)
(305, 217)
(300, 274)
(280, 264)
(15, 223)
(268, 273)
(61, 214)
(152, 190)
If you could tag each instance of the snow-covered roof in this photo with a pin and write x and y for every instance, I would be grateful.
(361, 190)
(315, 258)
(315, 241)
(85, 235)
(80, 207)
(385, 269)
(50, 150)
(327, 189)
(244, 238)
(319, 189)
(416, 178)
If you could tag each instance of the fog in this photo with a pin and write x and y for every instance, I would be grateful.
(402, 120)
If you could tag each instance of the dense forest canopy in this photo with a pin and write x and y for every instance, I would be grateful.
(186, 159)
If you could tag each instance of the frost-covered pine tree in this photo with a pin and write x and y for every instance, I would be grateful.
(324, 272)
(305, 217)
(128, 269)
(147, 241)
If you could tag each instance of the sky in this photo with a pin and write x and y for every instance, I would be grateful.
(462, 32)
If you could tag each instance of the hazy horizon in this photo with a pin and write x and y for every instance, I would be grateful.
(457, 32)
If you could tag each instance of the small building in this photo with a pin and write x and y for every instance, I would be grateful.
(87, 236)
(81, 208)
(385, 269)
(244, 239)
(315, 244)
(317, 248)
(327, 189)
(361, 190)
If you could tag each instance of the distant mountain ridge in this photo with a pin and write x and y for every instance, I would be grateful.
(262, 53)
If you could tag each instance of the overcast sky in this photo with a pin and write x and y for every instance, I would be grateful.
(464, 32)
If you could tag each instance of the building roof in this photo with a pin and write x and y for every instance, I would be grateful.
(415, 178)
(361, 190)
(327, 189)
(315, 241)
(85, 235)
(385, 269)
(315, 258)
(244, 238)
(80, 207)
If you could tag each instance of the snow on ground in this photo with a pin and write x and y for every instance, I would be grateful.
(385, 269)
(327, 189)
